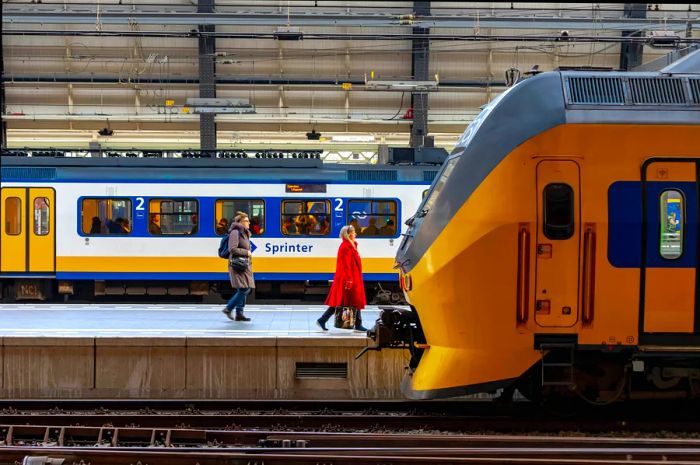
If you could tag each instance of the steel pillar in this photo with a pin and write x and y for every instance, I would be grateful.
(631, 53)
(3, 136)
(420, 66)
(207, 74)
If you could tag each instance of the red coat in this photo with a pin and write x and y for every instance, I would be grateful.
(347, 289)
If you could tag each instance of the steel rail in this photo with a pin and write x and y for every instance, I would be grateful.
(351, 457)
(82, 436)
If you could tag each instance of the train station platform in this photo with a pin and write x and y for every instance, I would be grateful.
(187, 351)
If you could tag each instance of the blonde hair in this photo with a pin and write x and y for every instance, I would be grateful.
(345, 232)
(240, 216)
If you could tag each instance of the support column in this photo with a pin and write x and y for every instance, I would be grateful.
(420, 63)
(207, 72)
(631, 54)
(3, 136)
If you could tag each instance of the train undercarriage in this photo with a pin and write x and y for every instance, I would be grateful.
(597, 375)
(23, 289)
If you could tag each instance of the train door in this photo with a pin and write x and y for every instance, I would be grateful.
(669, 303)
(28, 232)
(557, 248)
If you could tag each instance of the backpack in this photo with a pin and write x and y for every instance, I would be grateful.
(223, 247)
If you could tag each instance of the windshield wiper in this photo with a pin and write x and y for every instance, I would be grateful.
(422, 213)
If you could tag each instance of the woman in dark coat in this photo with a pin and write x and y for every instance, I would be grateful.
(242, 281)
(348, 288)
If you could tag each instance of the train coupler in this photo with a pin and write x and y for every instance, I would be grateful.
(396, 328)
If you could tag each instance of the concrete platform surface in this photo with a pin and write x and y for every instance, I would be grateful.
(148, 320)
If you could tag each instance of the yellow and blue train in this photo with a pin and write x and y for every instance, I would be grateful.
(557, 250)
(147, 225)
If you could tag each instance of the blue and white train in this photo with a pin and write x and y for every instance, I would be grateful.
(151, 226)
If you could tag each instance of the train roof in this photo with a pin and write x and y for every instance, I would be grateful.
(543, 102)
(120, 169)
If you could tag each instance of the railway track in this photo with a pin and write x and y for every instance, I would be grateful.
(282, 432)
(351, 416)
(375, 449)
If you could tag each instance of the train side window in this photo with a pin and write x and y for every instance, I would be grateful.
(373, 218)
(41, 216)
(306, 217)
(173, 217)
(672, 224)
(105, 216)
(13, 216)
(558, 211)
(226, 209)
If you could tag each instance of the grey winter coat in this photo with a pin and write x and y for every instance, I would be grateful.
(238, 246)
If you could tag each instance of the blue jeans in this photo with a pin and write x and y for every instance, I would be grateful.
(238, 300)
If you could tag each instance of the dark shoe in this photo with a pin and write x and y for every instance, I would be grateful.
(321, 325)
(360, 329)
(242, 317)
(227, 312)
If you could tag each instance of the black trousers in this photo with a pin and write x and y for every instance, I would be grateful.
(330, 311)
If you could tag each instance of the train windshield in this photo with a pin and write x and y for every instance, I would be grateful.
(440, 184)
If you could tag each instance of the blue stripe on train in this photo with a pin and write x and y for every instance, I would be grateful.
(625, 225)
(218, 276)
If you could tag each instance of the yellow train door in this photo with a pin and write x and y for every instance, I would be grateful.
(670, 285)
(28, 232)
(558, 243)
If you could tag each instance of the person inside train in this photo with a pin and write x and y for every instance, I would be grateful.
(222, 227)
(348, 288)
(323, 226)
(372, 229)
(355, 225)
(255, 225)
(303, 224)
(154, 224)
(388, 229)
(289, 228)
(113, 226)
(242, 279)
(195, 224)
(96, 227)
(124, 226)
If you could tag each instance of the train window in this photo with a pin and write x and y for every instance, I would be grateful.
(13, 216)
(41, 216)
(672, 224)
(558, 211)
(373, 218)
(306, 217)
(105, 216)
(440, 184)
(173, 217)
(225, 210)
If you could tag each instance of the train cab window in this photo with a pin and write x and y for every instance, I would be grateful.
(41, 216)
(672, 224)
(558, 212)
(173, 217)
(440, 184)
(105, 216)
(225, 210)
(306, 217)
(373, 218)
(13, 216)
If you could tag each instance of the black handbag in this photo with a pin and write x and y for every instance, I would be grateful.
(239, 264)
(345, 317)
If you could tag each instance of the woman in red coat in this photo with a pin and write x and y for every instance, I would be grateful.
(348, 289)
